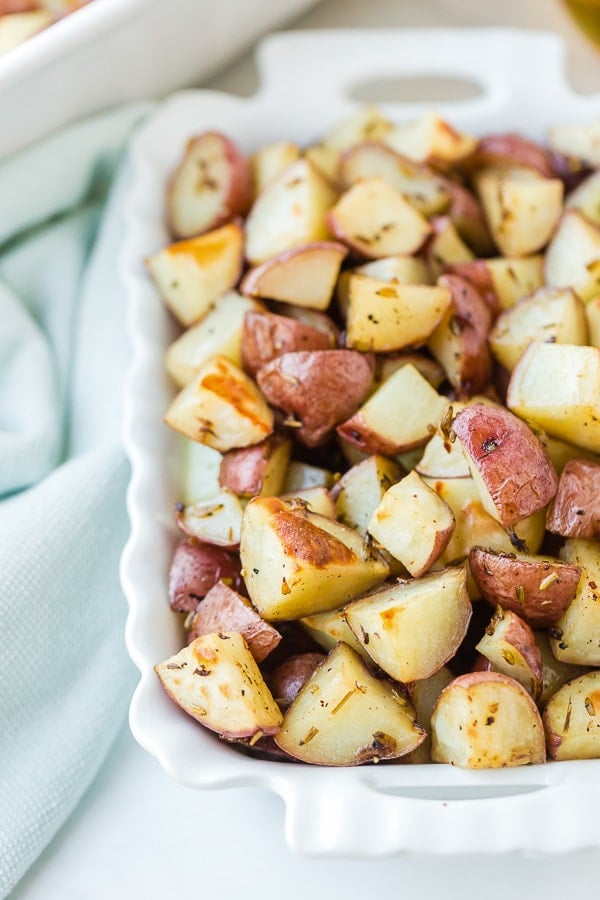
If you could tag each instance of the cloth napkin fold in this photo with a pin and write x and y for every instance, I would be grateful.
(65, 680)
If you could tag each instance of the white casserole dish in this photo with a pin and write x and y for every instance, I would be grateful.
(369, 811)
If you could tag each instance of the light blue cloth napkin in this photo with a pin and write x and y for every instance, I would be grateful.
(65, 680)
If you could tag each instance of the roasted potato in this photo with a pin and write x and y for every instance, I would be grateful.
(196, 568)
(217, 520)
(362, 487)
(575, 509)
(576, 636)
(290, 676)
(572, 719)
(259, 470)
(303, 276)
(266, 336)
(510, 645)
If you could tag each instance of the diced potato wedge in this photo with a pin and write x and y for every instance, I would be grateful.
(318, 500)
(412, 523)
(298, 563)
(575, 510)
(361, 488)
(191, 275)
(486, 720)
(511, 151)
(554, 672)
(221, 407)
(586, 198)
(270, 161)
(509, 644)
(424, 695)
(365, 125)
(579, 141)
(291, 675)
(557, 386)
(196, 568)
(344, 716)
(442, 457)
(267, 335)
(329, 628)
(501, 281)
(258, 470)
(215, 521)
(430, 139)
(576, 636)
(573, 256)
(302, 475)
(217, 681)
(412, 628)
(445, 247)
(572, 719)
(303, 276)
(396, 269)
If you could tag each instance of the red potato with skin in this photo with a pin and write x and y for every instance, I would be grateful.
(318, 389)
(259, 469)
(223, 610)
(575, 510)
(196, 568)
(211, 185)
(288, 678)
(512, 150)
(216, 521)
(467, 216)
(304, 276)
(267, 335)
(536, 588)
(509, 644)
(572, 719)
(509, 463)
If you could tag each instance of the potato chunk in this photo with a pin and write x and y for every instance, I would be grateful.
(572, 719)
(485, 720)
(217, 520)
(260, 469)
(304, 276)
(217, 681)
(412, 628)
(344, 716)
(575, 510)
(195, 569)
(573, 256)
(361, 488)
(509, 644)
(576, 636)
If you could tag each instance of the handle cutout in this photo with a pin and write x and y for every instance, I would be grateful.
(451, 793)
(418, 89)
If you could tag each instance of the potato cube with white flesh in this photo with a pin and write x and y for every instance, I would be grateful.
(445, 247)
(412, 628)
(345, 716)
(429, 368)
(573, 256)
(217, 681)
(266, 335)
(402, 414)
(475, 527)
(521, 207)
(365, 125)
(575, 510)
(486, 720)
(443, 458)
(303, 276)
(329, 628)
(586, 198)
(509, 464)
(257, 470)
(221, 407)
(191, 275)
(581, 142)
(592, 313)
(397, 269)
(217, 520)
(362, 487)
(317, 500)
(302, 475)
(297, 563)
(554, 672)
(288, 213)
(270, 161)
(218, 334)
(199, 466)
(373, 159)
(424, 695)
(576, 636)
(430, 139)
(375, 220)
(513, 278)
(557, 386)
(212, 183)
(549, 315)
(572, 719)
(509, 644)
(412, 523)
(383, 317)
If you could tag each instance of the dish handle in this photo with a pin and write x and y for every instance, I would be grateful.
(324, 67)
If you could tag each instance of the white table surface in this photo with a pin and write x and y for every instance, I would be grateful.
(137, 834)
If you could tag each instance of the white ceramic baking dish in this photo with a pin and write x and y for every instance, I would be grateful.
(373, 810)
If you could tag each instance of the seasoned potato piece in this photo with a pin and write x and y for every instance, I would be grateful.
(317, 500)
(367, 124)
(221, 407)
(304, 276)
(576, 636)
(257, 470)
(302, 475)
(512, 150)
(215, 521)
(361, 488)
(466, 214)
(537, 588)
(212, 183)
(586, 198)
(329, 628)
(486, 720)
(344, 716)
(502, 282)
(270, 161)
(509, 644)
(192, 275)
(557, 386)
(445, 247)
(510, 465)
(384, 317)
(288, 678)
(373, 219)
(412, 523)
(554, 672)
(443, 458)
(397, 269)
(579, 141)
(267, 335)
(217, 681)
(430, 139)
(573, 256)
(572, 719)
(412, 628)
(424, 695)
(289, 212)
(223, 610)
(402, 414)
(575, 510)
(196, 568)
(297, 562)
(318, 389)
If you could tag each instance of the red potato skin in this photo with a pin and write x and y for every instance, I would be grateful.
(320, 388)
(466, 214)
(237, 197)
(483, 430)
(481, 664)
(359, 434)
(512, 150)
(223, 609)
(477, 273)
(474, 319)
(265, 336)
(251, 286)
(575, 510)
(520, 636)
(243, 470)
(499, 574)
(195, 569)
(287, 679)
